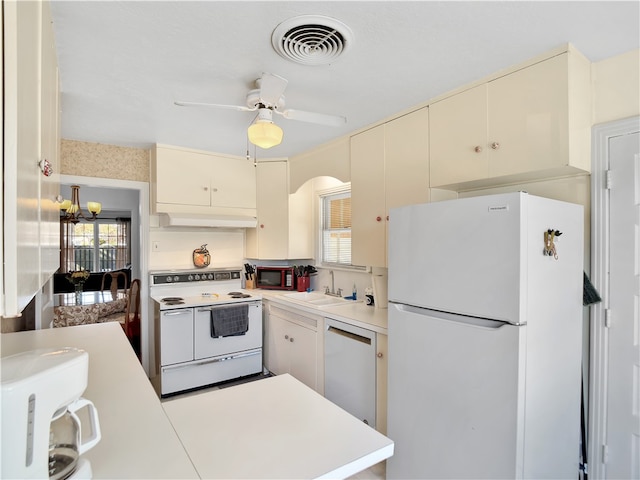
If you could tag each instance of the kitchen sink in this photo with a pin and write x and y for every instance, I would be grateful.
(316, 299)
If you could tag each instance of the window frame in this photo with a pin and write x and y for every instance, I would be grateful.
(322, 195)
(95, 261)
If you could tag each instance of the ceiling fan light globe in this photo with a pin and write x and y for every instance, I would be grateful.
(265, 134)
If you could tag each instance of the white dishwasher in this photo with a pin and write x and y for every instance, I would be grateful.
(350, 369)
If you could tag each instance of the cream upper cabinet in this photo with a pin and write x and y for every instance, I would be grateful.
(31, 233)
(458, 131)
(530, 124)
(389, 168)
(190, 181)
(284, 229)
(368, 206)
(49, 150)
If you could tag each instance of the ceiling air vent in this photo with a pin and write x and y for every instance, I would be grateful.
(311, 39)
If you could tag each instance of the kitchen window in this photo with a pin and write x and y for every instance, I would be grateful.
(336, 228)
(100, 246)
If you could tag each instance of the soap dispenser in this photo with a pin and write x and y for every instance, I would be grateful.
(355, 292)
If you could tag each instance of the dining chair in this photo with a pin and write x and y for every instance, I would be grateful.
(129, 318)
(113, 286)
(132, 314)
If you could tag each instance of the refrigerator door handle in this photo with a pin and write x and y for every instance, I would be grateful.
(486, 323)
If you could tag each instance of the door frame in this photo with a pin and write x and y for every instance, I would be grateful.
(143, 194)
(598, 386)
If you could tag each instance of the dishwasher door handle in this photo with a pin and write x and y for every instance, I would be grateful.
(352, 336)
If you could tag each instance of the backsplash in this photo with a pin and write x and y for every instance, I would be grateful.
(172, 248)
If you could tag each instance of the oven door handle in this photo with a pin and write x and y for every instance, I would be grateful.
(212, 360)
(171, 313)
(213, 307)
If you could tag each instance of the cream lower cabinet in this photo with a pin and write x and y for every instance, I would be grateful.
(531, 124)
(292, 344)
(389, 168)
(382, 343)
(284, 229)
(192, 181)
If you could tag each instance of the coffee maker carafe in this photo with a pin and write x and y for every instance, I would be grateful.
(42, 434)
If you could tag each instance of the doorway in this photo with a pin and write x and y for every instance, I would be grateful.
(90, 185)
(614, 418)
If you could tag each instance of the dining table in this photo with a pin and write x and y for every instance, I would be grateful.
(81, 308)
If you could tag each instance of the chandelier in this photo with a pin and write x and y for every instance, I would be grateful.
(73, 212)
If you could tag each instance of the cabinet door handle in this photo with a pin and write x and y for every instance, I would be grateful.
(214, 190)
(291, 339)
(206, 189)
(379, 355)
(286, 337)
(378, 218)
(387, 218)
(478, 149)
(495, 145)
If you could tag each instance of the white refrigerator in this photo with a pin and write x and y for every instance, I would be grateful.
(485, 338)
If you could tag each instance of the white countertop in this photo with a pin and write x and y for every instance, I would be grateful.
(354, 313)
(138, 441)
(274, 428)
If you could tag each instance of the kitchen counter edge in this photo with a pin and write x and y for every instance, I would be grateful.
(353, 313)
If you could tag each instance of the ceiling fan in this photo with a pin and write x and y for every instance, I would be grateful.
(266, 99)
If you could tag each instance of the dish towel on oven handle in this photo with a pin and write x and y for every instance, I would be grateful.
(229, 321)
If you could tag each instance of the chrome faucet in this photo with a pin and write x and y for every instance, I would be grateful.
(332, 284)
(333, 291)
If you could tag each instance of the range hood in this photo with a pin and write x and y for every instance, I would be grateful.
(204, 220)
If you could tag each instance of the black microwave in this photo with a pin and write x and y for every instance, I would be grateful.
(275, 278)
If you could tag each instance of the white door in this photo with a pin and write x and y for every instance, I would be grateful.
(623, 432)
(615, 417)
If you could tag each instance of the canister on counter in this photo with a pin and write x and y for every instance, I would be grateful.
(368, 296)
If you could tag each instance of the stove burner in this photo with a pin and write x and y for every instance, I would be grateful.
(239, 295)
(236, 293)
(173, 299)
(173, 302)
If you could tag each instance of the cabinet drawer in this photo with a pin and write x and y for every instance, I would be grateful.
(304, 320)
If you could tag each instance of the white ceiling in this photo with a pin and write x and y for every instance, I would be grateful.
(122, 64)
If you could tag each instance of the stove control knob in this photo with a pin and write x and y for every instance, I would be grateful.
(197, 277)
(176, 278)
(190, 278)
(169, 279)
(210, 276)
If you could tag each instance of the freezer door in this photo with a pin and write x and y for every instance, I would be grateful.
(462, 256)
(455, 401)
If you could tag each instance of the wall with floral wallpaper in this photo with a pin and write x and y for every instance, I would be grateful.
(104, 161)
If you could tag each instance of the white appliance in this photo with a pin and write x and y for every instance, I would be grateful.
(41, 431)
(350, 369)
(189, 353)
(485, 338)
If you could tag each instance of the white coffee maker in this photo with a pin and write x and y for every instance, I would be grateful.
(41, 432)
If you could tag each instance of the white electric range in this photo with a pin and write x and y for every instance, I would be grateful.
(208, 329)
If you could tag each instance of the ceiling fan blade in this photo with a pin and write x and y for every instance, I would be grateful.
(239, 108)
(271, 88)
(311, 117)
